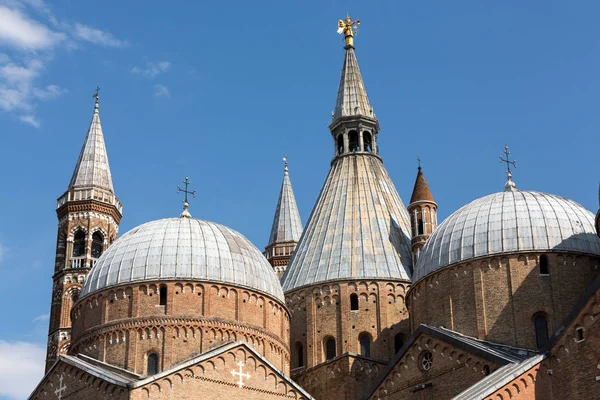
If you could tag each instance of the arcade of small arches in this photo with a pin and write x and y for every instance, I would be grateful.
(110, 324)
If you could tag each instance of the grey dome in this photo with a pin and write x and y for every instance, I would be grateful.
(508, 222)
(186, 249)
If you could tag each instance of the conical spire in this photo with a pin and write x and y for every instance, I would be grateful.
(352, 97)
(287, 226)
(421, 190)
(92, 169)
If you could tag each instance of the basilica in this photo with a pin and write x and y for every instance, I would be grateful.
(371, 299)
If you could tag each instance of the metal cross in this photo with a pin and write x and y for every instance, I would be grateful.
(186, 191)
(61, 388)
(96, 93)
(419, 161)
(241, 374)
(507, 161)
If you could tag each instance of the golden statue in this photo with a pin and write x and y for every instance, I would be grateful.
(348, 28)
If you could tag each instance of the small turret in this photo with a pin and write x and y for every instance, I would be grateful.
(423, 214)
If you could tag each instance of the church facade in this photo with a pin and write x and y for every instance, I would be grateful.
(370, 300)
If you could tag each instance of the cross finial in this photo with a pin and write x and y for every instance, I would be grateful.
(186, 204)
(419, 161)
(510, 185)
(285, 161)
(96, 95)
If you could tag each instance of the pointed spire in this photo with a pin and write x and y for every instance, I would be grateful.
(287, 226)
(421, 190)
(352, 97)
(92, 169)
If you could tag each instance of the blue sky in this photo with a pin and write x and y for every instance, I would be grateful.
(219, 91)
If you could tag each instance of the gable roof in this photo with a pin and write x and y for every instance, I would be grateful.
(493, 352)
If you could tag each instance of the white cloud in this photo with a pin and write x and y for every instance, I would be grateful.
(22, 32)
(29, 36)
(2, 252)
(97, 36)
(42, 318)
(152, 69)
(31, 120)
(21, 368)
(161, 91)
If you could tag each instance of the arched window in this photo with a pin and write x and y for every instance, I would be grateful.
(420, 226)
(398, 342)
(365, 344)
(340, 144)
(353, 302)
(163, 296)
(300, 354)
(367, 141)
(486, 370)
(79, 244)
(544, 270)
(152, 364)
(353, 141)
(97, 244)
(329, 348)
(541, 330)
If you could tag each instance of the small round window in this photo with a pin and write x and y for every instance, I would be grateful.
(426, 361)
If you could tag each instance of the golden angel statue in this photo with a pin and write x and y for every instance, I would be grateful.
(348, 28)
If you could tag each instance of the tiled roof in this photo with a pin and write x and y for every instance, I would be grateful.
(421, 190)
(92, 169)
(287, 226)
(352, 97)
(358, 228)
(507, 222)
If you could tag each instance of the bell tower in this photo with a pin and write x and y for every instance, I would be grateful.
(423, 214)
(88, 214)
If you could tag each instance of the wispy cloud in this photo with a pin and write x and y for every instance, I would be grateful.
(21, 368)
(2, 252)
(42, 318)
(161, 91)
(20, 31)
(152, 69)
(30, 35)
(97, 36)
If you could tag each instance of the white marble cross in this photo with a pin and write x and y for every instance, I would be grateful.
(240, 374)
(61, 388)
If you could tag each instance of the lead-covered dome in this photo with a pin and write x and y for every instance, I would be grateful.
(183, 249)
(508, 222)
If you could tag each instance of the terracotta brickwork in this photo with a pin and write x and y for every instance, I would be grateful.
(574, 359)
(348, 376)
(530, 385)
(452, 370)
(74, 383)
(70, 269)
(213, 379)
(279, 255)
(122, 326)
(496, 299)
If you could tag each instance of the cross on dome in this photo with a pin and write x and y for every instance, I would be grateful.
(510, 185)
(186, 204)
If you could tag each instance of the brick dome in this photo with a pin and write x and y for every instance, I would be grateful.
(508, 222)
(183, 249)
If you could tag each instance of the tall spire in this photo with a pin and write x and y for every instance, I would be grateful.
(287, 226)
(352, 99)
(92, 169)
(421, 190)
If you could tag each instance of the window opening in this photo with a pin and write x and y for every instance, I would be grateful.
(420, 227)
(353, 302)
(97, 244)
(163, 296)
(367, 141)
(541, 331)
(544, 270)
(300, 354)
(340, 144)
(79, 244)
(398, 342)
(152, 364)
(329, 348)
(580, 336)
(353, 141)
(426, 361)
(365, 345)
